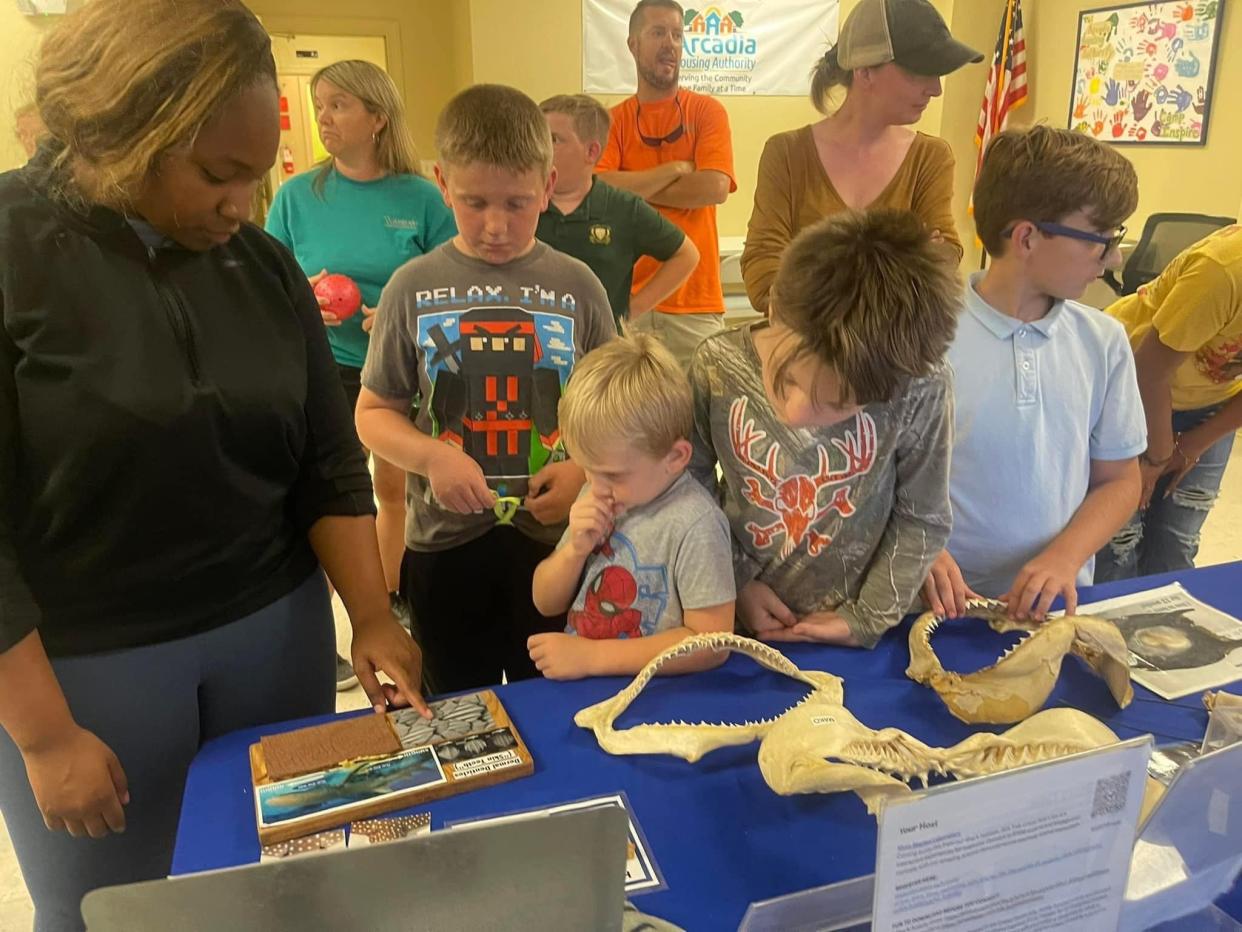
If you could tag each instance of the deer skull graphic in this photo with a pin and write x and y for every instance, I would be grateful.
(794, 500)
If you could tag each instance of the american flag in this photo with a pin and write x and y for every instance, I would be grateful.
(1006, 79)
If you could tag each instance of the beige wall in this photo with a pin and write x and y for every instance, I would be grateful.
(500, 28)
(422, 49)
(1200, 179)
(463, 63)
(424, 64)
(436, 48)
(974, 22)
(19, 40)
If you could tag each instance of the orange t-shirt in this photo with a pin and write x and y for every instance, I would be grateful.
(708, 144)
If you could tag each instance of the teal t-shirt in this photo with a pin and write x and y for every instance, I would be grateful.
(363, 229)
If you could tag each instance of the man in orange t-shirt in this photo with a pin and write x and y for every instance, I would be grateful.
(672, 147)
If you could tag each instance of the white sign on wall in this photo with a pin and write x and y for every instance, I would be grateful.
(739, 47)
(42, 7)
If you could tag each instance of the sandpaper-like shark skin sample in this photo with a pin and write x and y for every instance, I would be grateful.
(319, 747)
(818, 746)
(1018, 684)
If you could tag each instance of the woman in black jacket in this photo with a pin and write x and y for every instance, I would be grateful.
(177, 459)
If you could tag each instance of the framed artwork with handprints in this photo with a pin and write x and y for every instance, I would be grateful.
(1143, 72)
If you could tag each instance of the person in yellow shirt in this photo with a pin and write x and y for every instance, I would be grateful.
(1186, 331)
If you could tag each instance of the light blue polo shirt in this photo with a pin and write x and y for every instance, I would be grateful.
(1035, 403)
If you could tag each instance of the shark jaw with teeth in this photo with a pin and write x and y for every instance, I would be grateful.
(1018, 684)
(818, 746)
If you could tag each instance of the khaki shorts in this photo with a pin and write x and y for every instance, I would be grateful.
(681, 333)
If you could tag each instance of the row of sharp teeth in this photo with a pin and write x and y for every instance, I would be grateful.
(904, 775)
(1027, 751)
(983, 608)
(1021, 641)
(681, 724)
(760, 652)
(754, 649)
(747, 724)
(1008, 754)
(877, 749)
(936, 621)
(745, 646)
(1005, 754)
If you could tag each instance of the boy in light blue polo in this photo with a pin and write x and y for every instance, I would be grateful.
(1048, 420)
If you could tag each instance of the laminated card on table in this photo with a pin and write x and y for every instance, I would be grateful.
(1046, 846)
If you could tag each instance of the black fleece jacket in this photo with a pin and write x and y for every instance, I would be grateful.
(171, 425)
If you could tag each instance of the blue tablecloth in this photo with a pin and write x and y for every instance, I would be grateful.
(721, 837)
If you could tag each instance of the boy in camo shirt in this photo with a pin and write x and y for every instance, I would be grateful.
(832, 425)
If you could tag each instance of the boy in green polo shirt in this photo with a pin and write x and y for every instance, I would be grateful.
(607, 228)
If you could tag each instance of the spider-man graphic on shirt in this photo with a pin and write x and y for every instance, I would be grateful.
(621, 597)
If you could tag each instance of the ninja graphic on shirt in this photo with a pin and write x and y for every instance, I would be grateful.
(497, 374)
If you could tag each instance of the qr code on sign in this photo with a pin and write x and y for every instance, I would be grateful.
(1110, 794)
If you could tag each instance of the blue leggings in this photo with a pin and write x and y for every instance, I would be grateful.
(155, 706)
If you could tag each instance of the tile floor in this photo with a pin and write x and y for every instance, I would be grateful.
(1222, 541)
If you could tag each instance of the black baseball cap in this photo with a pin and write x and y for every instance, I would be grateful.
(908, 32)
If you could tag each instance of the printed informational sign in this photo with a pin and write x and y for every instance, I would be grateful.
(1043, 847)
(765, 47)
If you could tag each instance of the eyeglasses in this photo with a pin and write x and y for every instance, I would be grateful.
(656, 141)
(1109, 241)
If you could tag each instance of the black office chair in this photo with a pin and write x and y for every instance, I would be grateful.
(1164, 236)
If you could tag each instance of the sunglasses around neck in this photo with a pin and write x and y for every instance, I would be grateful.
(656, 141)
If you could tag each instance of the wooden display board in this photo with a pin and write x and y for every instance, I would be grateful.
(402, 761)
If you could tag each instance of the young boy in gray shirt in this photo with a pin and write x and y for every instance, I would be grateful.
(485, 331)
(645, 560)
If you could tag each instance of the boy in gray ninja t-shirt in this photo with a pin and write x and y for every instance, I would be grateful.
(485, 332)
(646, 558)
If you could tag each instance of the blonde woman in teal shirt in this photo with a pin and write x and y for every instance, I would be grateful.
(363, 213)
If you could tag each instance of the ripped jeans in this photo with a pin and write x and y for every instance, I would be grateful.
(1165, 537)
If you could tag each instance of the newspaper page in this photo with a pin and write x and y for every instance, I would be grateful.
(1178, 645)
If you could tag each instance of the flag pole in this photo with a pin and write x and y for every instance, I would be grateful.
(1004, 60)
(997, 99)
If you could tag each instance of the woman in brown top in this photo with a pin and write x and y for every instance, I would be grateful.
(890, 56)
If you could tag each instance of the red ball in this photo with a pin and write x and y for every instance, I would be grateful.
(341, 293)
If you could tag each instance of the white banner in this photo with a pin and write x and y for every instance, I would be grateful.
(741, 47)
